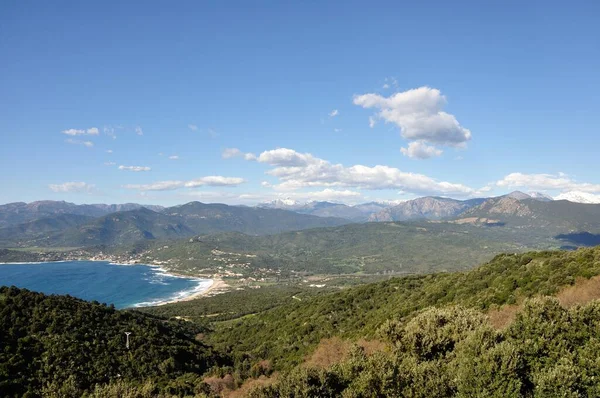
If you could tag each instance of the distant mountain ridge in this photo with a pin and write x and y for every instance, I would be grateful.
(126, 227)
(557, 216)
(430, 207)
(21, 212)
(357, 213)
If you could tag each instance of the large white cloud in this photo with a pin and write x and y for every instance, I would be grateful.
(72, 187)
(420, 150)
(543, 182)
(213, 181)
(300, 170)
(419, 115)
(134, 168)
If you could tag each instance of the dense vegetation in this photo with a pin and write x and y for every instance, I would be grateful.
(547, 351)
(432, 335)
(286, 334)
(354, 248)
(64, 346)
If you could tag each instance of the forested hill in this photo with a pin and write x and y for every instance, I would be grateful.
(64, 346)
(288, 333)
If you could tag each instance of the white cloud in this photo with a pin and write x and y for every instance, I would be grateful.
(193, 127)
(386, 86)
(372, 121)
(300, 170)
(420, 150)
(418, 113)
(109, 163)
(74, 132)
(174, 157)
(139, 131)
(231, 153)
(134, 168)
(579, 197)
(266, 184)
(560, 182)
(337, 130)
(109, 151)
(213, 181)
(330, 195)
(334, 113)
(72, 187)
(88, 144)
(327, 194)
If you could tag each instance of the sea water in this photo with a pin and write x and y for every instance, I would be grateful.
(122, 285)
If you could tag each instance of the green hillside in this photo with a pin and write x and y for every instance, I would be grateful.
(286, 334)
(64, 346)
(429, 332)
(363, 248)
(38, 230)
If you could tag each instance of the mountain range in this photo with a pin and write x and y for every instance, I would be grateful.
(20, 212)
(142, 223)
(62, 224)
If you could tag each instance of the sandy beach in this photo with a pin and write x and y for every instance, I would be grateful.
(218, 284)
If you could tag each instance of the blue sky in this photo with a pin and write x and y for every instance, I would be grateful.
(339, 101)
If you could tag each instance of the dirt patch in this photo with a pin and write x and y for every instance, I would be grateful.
(582, 292)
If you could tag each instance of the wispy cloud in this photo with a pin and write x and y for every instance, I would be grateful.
(229, 153)
(334, 113)
(213, 181)
(75, 132)
(72, 141)
(110, 131)
(139, 131)
(109, 163)
(134, 168)
(72, 187)
(109, 151)
(174, 157)
(543, 182)
(193, 127)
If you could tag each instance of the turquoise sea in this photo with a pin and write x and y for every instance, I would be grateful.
(122, 285)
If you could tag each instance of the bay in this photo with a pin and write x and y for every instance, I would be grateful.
(123, 286)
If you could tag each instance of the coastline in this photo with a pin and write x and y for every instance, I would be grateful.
(216, 284)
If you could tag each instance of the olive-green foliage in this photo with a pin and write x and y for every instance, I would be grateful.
(454, 352)
(417, 247)
(64, 346)
(288, 333)
(231, 305)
